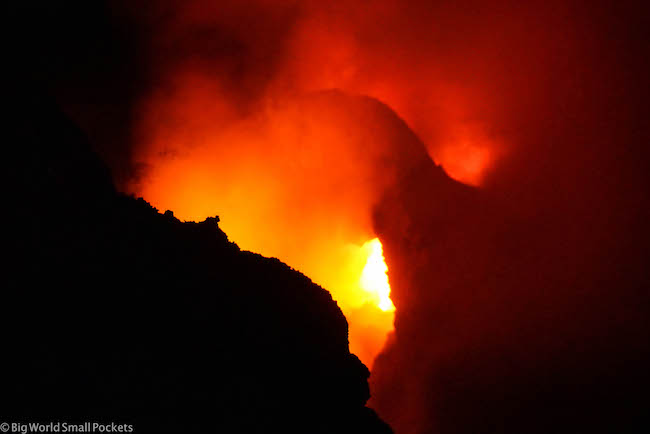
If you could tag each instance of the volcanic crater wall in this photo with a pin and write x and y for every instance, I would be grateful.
(118, 313)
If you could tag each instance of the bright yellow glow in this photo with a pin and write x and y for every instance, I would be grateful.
(374, 278)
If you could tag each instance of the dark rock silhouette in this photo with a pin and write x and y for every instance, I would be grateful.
(115, 312)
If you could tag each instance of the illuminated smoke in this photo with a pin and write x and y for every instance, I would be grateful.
(297, 180)
(236, 125)
(526, 101)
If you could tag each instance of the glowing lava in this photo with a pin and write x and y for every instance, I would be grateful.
(296, 181)
(374, 278)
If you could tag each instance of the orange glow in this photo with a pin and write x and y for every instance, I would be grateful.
(246, 133)
(295, 181)
(465, 161)
(327, 52)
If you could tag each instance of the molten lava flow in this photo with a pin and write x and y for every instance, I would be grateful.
(374, 278)
(366, 300)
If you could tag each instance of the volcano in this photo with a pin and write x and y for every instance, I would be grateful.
(436, 216)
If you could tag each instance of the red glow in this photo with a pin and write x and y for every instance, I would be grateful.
(236, 135)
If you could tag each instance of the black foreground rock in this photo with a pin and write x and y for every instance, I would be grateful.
(114, 312)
